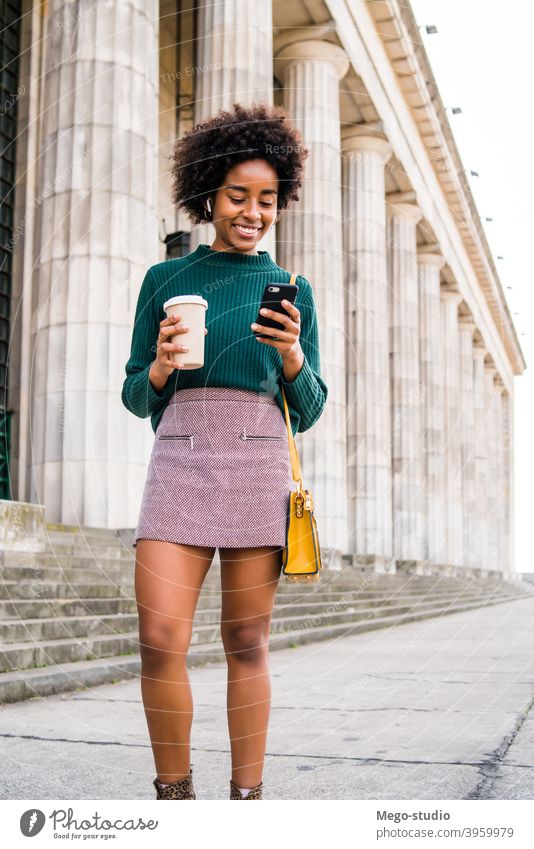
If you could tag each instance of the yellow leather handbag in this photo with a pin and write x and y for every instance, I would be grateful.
(301, 557)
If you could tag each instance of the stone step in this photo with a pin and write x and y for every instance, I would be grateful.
(60, 607)
(120, 564)
(15, 591)
(37, 559)
(48, 590)
(28, 683)
(108, 570)
(71, 533)
(51, 628)
(24, 655)
(113, 603)
(88, 548)
(58, 528)
(114, 574)
(55, 569)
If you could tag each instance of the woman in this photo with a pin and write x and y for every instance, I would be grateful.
(220, 474)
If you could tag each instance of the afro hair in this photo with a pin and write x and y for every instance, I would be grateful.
(202, 158)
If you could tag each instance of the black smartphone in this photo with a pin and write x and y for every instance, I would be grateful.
(273, 295)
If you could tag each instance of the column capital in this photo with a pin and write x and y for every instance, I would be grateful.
(355, 139)
(479, 351)
(449, 293)
(406, 210)
(466, 323)
(434, 260)
(311, 49)
(490, 368)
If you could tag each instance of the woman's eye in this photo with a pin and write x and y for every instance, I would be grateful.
(239, 200)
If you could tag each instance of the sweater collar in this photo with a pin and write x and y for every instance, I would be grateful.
(259, 261)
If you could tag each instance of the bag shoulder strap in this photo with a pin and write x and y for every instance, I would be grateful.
(295, 463)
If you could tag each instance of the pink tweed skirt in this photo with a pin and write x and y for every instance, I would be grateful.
(220, 471)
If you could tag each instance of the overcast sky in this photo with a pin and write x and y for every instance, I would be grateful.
(482, 61)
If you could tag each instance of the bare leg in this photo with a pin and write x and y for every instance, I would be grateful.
(168, 579)
(249, 579)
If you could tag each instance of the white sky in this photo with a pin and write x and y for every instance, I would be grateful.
(482, 59)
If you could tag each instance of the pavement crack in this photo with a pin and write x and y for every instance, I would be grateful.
(364, 761)
(490, 768)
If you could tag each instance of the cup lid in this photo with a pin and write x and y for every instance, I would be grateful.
(185, 299)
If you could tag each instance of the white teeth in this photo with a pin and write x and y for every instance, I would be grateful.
(246, 229)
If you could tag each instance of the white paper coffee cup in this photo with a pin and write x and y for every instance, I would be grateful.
(192, 309)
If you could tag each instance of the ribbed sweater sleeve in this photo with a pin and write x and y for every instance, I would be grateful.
(138, 394)
(308, 392)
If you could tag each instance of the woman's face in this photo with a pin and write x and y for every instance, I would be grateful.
(248, 197)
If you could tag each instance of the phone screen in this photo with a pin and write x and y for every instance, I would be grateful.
(273, 295)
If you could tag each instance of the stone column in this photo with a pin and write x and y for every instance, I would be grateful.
(311, 243)
(480, 452)
(406, 391)
(453, 416)
(96, 235)
(368, 382)
(508, 557)
(432, 352)
(500, 477)
(468, 462)
(490, 532)
(234, 63)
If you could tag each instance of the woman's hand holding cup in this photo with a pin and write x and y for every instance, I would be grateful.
(168, 328)
(163, 366)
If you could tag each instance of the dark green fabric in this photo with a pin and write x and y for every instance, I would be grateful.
(233, 285)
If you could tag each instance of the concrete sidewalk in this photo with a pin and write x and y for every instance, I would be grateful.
(438, 709)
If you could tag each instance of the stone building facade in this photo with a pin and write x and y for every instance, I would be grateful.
(411, 464)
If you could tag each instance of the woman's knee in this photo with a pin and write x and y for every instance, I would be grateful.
(246, 642)
(161, 643)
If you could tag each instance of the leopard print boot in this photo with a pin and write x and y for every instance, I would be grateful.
(255, 793)
(182, 789)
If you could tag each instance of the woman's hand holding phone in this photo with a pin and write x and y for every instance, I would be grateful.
(286, 341)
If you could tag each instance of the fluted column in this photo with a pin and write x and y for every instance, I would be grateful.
(490, 531)
(310, 242)
(480, 451)
(508, 556)
(468, 462)
(96, 234)
(234, 41)
(368, 383)
(500, 481)
(453, 417)
(432, 355)
(406, 400)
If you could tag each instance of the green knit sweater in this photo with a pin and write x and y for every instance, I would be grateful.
(232, 284)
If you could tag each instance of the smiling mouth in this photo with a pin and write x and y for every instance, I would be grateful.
(246, 231)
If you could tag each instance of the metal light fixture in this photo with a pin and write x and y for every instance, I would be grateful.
(177, 244)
